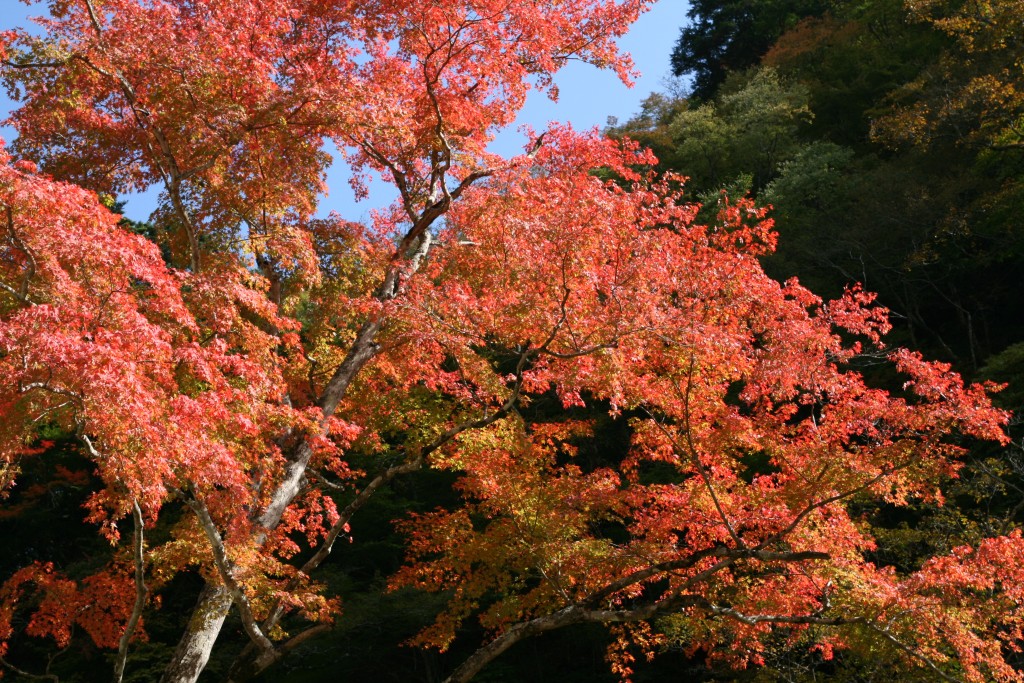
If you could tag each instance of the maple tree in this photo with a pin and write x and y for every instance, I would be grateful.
(220, 377)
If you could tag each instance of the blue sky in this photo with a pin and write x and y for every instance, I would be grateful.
(588, 97)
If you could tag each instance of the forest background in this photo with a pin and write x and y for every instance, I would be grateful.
(887, 136)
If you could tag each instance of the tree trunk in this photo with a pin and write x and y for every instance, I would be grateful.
(214, 602)
(197, 642)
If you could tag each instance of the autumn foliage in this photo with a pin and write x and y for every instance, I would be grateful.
(220, 373)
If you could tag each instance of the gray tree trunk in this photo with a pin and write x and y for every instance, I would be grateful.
(197, 642)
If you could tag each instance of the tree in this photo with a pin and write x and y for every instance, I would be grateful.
(222, 381)
(928, 214)
(737, 140)
(729, 36)
(850, 59)
(923, 93)
(973, 92)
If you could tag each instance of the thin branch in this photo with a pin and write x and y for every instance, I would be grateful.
(172, 174)
(22, 292)
(16, 294)
(391, 473)
(224, 568)
(695, 457)
(754, 619)
(574, 614)
(828, 501)
(648, 572)
(584, 352)
(396, 174)
(912, 652)
(36, 65)
(141, 591)
(26, 674)
(437, 175)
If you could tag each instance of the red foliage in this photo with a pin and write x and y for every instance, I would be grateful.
(268, 346)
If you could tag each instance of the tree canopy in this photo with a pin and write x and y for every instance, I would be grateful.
(243, 380)
(725, 36)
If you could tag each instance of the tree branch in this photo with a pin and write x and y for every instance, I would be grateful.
(172, 175)
(224, 568)
(912, 652)
(141, 591)
(391, 473)
(22, 292)
(413, 248)
(26, 674)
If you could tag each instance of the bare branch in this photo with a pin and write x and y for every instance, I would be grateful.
(22, 292)
(141, 591)
(26, 674)
(412, 465)
(912, 652)
(226, 572)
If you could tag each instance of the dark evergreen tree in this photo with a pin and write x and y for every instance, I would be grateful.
(732, 35)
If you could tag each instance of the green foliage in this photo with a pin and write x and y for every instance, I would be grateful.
(850, 59)
(872, 176)
(734, 142)
(726, 36)
(1007, 366)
